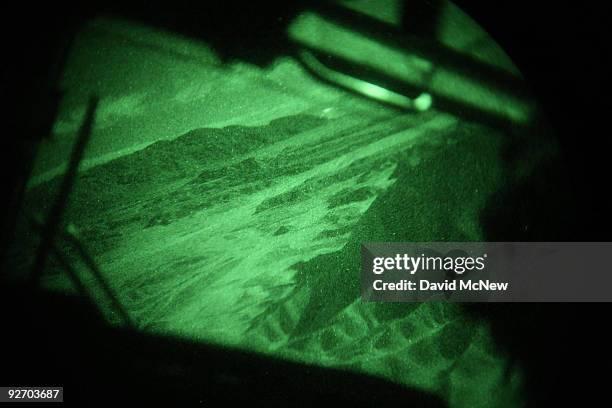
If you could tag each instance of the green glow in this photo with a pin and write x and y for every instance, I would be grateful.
(321, 34)
(227, 202)
(421, 103)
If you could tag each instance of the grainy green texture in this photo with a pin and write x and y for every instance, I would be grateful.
(227, 203)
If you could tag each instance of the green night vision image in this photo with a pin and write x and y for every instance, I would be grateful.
(225, 202)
